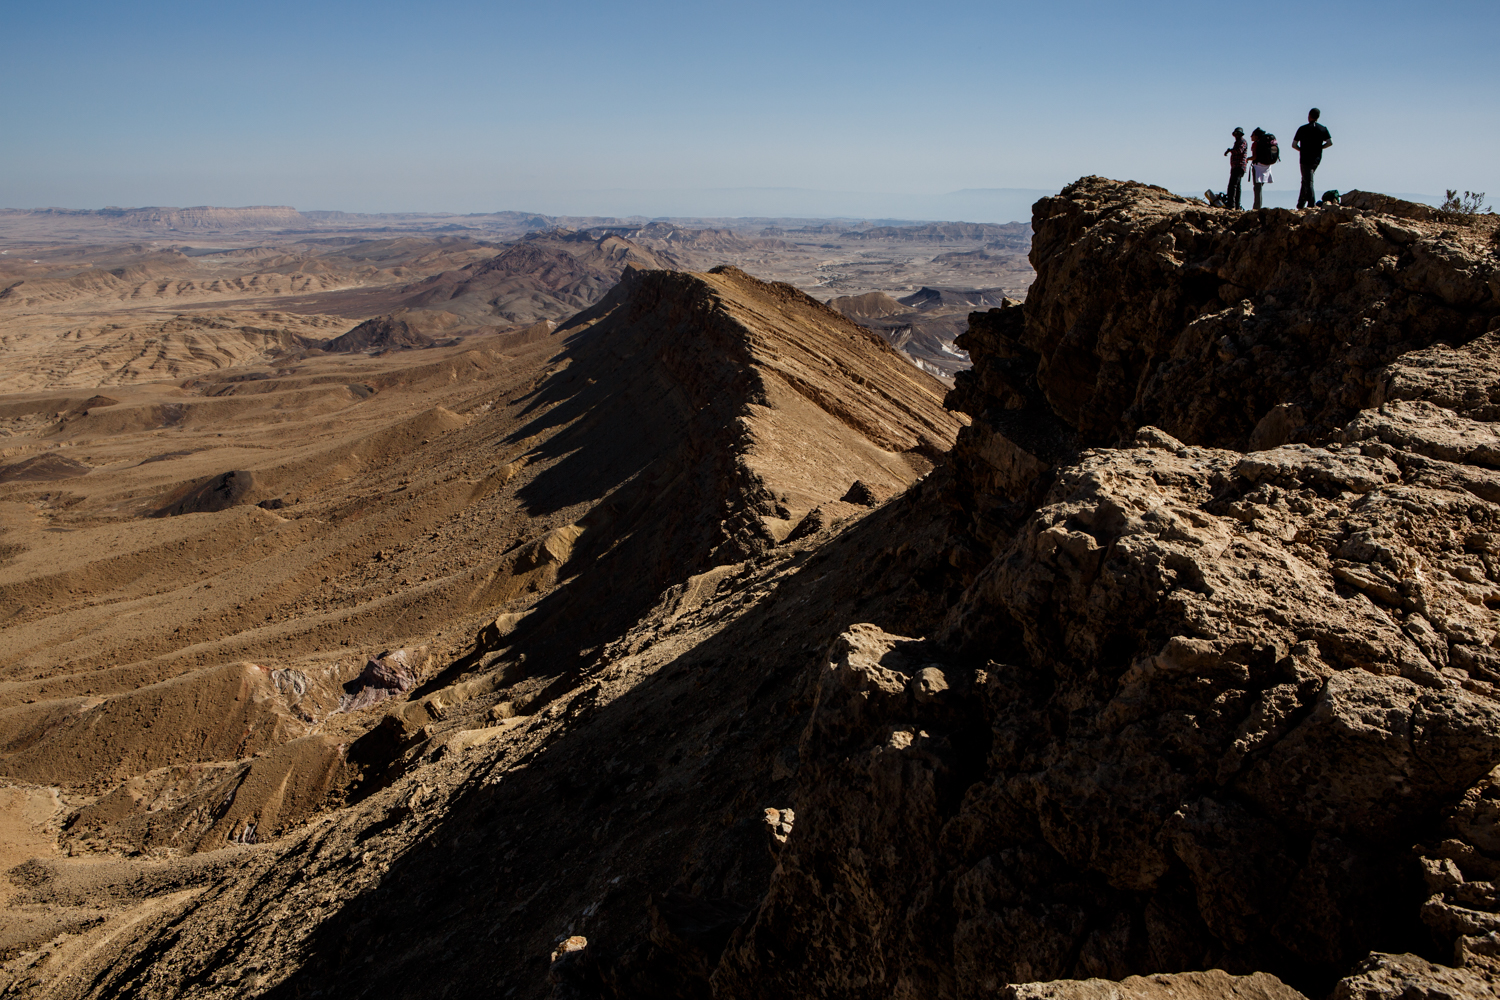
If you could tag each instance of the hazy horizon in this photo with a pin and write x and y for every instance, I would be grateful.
(1003, 205)
(670, 110)
(961, 206)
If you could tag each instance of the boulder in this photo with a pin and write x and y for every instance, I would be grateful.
(1215, 984)
(1408, 977)
(383, 676)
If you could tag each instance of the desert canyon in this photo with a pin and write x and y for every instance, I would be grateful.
(1096, 608)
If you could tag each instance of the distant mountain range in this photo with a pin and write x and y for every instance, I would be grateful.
(740, 209)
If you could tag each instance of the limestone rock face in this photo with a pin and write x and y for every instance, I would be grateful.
(1151, 309)
(1202, 706)
(1214, 984)
(1389, 977)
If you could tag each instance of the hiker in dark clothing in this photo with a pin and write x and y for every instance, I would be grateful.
(1310, 141)
(1264, 154)
(1238, 154)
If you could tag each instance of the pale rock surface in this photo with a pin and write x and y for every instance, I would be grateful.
(1410, 977)
(1210, 701)
(1214, 984)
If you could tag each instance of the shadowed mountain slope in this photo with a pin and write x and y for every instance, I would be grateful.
(722, 411)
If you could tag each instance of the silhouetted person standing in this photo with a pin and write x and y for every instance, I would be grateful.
(1237, 154)
(1310, 141)
(1264, 154)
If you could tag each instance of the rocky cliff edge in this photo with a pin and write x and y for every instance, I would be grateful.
(1221, 688)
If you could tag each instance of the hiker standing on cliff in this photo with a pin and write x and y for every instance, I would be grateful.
(1310, 141)
(1237, 154)
(1264, 154)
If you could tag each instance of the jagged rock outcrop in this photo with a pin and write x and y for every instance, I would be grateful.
(1152, 309)
(1214, 984)
(1214, 750)
(1402, 977)
(1200, 706)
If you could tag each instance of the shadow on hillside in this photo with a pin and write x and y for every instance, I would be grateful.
(662, 788)
(646, 446)
(609, 419)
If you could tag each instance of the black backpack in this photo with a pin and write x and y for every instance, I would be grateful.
(1269, 152)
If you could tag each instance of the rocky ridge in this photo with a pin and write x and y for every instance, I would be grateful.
(1199, 705)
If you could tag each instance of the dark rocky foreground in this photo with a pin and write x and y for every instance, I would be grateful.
(1184, 661)
(1220, 688)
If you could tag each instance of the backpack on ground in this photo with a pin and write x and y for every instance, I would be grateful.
(1268, 152)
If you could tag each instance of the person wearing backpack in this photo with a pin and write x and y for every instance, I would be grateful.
(1310, 141)
(1238, 154)
(1264, 153)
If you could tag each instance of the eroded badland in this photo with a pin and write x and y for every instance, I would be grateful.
(511, 606)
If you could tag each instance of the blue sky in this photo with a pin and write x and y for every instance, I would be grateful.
(659, 108)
